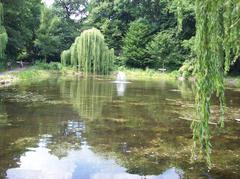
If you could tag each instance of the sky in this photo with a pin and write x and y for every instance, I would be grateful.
(48, 2)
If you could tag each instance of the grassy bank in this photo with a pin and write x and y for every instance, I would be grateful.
(26, 75)
(37, 72)
(132, 74)
(148, 74)
(55, 67)
(42, 71)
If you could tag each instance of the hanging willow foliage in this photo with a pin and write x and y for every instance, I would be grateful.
(217, 45)
(66, 57)
(89, 53)
(3, 34)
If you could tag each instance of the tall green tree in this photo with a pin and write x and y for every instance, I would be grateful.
(3, 35)
(21, 22)
(32, 22)
(165, 50)
(134, 46)
(71, 9)
(113, 19)
(49, 36)
(90, 53)
(72, 14)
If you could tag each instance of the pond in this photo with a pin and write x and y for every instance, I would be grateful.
(92, 128)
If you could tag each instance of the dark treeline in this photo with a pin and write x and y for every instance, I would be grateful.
(143, 33)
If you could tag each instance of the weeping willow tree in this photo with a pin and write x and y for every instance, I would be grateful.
(89, 53)
(217, 46)
(66, 57)
(3, 34)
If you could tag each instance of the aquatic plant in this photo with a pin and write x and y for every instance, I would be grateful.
(217, 45)
(89, 53)
(3, 33)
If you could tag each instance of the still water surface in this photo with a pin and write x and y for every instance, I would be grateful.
(95, 129)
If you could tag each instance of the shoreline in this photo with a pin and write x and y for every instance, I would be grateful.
(37, 73)
(18, 75)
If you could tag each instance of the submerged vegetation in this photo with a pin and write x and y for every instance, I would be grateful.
(89, 53)
(186, 38)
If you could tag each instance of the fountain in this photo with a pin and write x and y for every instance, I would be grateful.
(121, 83)
(121, 77)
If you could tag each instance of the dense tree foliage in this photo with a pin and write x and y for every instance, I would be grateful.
(165, 50)
(113, 18)
(3, 35)
(49, 35)
(72, 14)
(134, 46)
(30, 40)
(21, 22)
(71, 9)
(89, 53)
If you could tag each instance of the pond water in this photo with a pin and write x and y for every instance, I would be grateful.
(95, 129)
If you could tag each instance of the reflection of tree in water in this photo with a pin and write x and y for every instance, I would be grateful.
(130, 128)
(187, 89)
(54, 125)
(124, 127)
(142, 149)
(71, 139)
(88, 96)
(3, 116)
(142, 130)
(121, 88)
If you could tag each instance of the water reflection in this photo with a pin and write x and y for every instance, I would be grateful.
(83, 129)
(121, 83)
(121, 87)
(41, 162)
(3, 116)
(87, 96)
(82, 164)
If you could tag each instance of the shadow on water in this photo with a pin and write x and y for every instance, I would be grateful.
(92, 128)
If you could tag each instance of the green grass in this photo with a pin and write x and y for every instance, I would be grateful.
(41, 71)
(31, 74)
(148, 74)
(56, 67)
(37, 72)
(132, 74)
